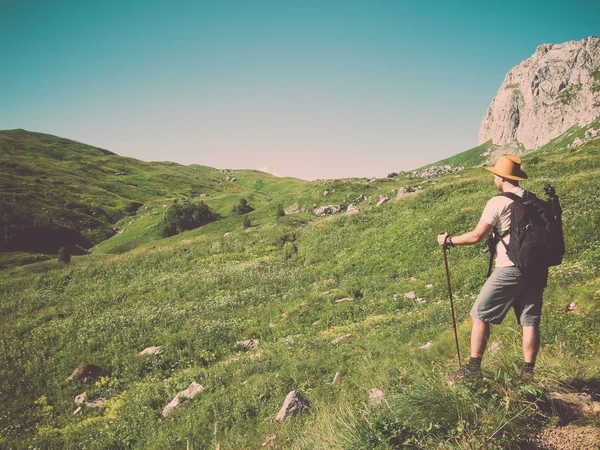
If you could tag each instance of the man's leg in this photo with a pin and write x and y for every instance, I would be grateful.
(480, 333)
(531, 343)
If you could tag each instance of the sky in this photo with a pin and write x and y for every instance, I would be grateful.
(308, 89)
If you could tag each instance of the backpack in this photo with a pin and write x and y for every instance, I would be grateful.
(536, 236)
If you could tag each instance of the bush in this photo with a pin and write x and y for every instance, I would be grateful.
(280, 211)
(183, 216)
(242, 207)
(63, 255)
(247, 222)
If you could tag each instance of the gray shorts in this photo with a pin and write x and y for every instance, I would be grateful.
(507, 287)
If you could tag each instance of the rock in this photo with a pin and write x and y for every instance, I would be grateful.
(572, 307)
(272, 325)
(155, 351)
(86, 373)
(376, 396)
(412, 279)
(568, 405)
(316, 322)
(326, 293)
(352, 209)
(411, 295)
(193, 390)
(392, 175)
(382, 200)
(99, 402)
(250, 344)
(430, 172)
(426, 346)
(295, 209)
(494, 347)
(77, 411)
(227, 234)
(328, 210)
(80, 399)
(336, 377)
(341, 338)
(429, 286)
(545, 95)
(326, 192)
(346, 299)
(293, 404)
(420, 301)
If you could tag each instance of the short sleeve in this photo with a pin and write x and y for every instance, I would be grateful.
(490, 213)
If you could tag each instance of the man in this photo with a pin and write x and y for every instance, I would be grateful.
(507, 286)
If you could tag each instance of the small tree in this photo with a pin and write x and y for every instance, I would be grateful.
(242, 207)
(183, 216)
(280, 211)
(247, 222)
(63, 255)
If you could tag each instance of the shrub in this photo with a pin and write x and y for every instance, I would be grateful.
(183, 216)
(63, 255)
(280, 211)
(242, 207)
(247, 222)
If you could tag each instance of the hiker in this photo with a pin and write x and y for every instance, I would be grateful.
(507, 286)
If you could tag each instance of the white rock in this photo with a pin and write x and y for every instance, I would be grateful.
(336, 377)
(341, 338)
(81, 398)
(328, 210)
(352, 209)
(250, 344)
(429, 286)
(156, 351)
(382, 200)
(426, 346)
(193, 390)
(346, 299)
(411, 295)
(99, 402)
(376, 396)
(293, 404)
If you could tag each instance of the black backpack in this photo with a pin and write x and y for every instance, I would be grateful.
(536, 236)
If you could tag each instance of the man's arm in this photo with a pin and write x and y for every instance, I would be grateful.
(470, 238)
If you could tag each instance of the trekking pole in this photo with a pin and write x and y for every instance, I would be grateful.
(451, 304)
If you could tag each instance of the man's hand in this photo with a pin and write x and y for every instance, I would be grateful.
(442, 238)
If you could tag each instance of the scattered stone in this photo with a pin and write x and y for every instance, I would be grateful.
(326, 293)
(250, 344)
(382, 200)
(411, 295)
(77, 411)
(326, 192)
(86, 373)
(495, 346)
(420, 301)
(404, 191)
(154, 351)
(193, 390)
(346, 299)
(571, 437)
(426, 346)
(429, 286)
(316, 322)
(272, 325)
(270, 440)
(572, 307)
(336, 377)
(227, 234)
(293, 404)
(412, 279)
(376, 396)
(99, 402)
(341, 338)
(435, 171)
(80, 399)
(352, 209)
(295, 209)
(328, 210)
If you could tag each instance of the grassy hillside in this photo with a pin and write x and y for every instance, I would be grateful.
(198, 293)
(77, 193)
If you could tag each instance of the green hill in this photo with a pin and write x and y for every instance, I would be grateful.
(199, 293)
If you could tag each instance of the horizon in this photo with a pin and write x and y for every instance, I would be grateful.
(311, 91)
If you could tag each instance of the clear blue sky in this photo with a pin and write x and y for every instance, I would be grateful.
(312, 89)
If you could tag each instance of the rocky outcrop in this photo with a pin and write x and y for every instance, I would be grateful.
(328, 210)
(188, 394)
(293, 404)
(434, 171)
(543, 96)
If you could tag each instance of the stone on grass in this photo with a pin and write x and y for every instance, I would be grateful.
(382, 200)
(98, 403)
(341, 338)
(270, 441)
(352, 209)
(328, 210)
(250, 344)
(336, 377)
(345, 299)
(376, 396)
(155, 351)
(412, 279)
(77, 411)
(426, 346)
(411, 295)
(293, 404)
(572, 307)
(429, 286)
(81, 398)
(193, 390)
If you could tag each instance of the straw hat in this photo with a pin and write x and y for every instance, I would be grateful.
(508, 166)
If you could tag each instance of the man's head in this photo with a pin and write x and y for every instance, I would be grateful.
(507, 170)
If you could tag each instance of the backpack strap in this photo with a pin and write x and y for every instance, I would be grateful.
(514, 197)
(496, 237)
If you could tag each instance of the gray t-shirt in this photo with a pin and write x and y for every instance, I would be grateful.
(497, 214)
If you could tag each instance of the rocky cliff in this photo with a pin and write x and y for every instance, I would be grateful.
(542, 97)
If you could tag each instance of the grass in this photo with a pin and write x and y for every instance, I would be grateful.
(198, 293)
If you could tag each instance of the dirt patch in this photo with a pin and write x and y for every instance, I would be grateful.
(571, 437)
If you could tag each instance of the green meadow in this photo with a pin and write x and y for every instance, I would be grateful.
(198, 293)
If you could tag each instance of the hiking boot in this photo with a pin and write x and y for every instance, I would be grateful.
(526, 373)
(468, 372)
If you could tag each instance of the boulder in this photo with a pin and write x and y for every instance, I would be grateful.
(188, 394)
(328, 210)
(250, 344)
(154, 351)
(86, 373)
(80, 399)
(293, 404)
(352, 209)
(382, 200)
